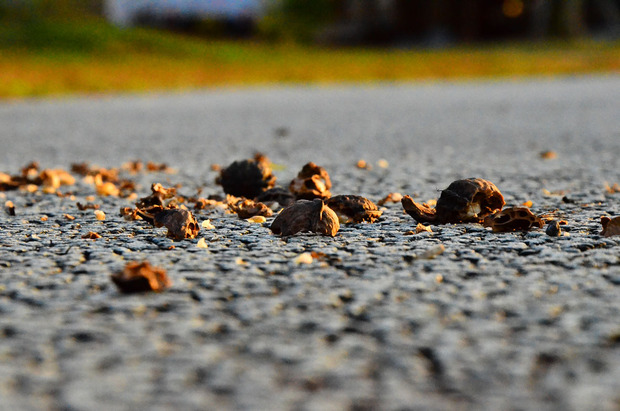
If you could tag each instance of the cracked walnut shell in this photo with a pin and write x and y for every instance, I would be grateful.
(352, 208)
(305, 215)
(513, 219)
(611, 226)
(311, 182)
(464, 201)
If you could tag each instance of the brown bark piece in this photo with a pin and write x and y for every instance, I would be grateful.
(513, 219)
(304, 215)
(354, 208)
(611, 226)
(139, 277)
(311, 182)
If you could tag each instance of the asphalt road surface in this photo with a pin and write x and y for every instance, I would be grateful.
(378, 319)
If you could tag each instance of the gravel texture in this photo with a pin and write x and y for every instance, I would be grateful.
(460, 318)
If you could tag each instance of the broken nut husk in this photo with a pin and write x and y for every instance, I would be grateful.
(311, 182)
(305, 215)
(464, 201)
(352, 208)
(513, 219)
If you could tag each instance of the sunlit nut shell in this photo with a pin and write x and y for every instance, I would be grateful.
(304, 215)
(468, 200)
(245, 208)
(247, 178)
(311, 182)
(277, 194)
(352, 208)
(139, 277)
(157, 197)
(611, 226)
(513, 219)
(180, 223)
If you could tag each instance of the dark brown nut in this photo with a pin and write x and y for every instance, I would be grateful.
(464, 201)
(277, 195)
(513, 219)
(311, 182)
(245, 208)
(611, 226)
(304, 215)
(553, 229)
(139, 277)
(181, 224)
(351, 208)
(247, 178)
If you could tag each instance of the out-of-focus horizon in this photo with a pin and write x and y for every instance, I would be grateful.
(66, 46)
(400, 23)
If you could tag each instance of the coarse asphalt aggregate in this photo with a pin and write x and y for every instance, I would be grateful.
(503, 321)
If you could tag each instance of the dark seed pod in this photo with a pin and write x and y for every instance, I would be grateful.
(311, 182)
(304, 215)
(513, 219)
(468, 200)
(553, 229)
(247, 178)
(354, 208)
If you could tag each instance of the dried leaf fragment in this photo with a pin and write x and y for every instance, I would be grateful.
(87, 206)
(91, 235)
(352, 208)
(611, 226)
(468, 200)
(421, 228)
(548, 155)
(139, 277)
(390, 198)
(304, 215)
(513, 219)
(311, 182)
(247, 178)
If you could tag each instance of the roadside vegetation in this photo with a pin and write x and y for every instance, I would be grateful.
(46, 54)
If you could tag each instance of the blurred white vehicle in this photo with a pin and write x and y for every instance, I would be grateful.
(127, 12)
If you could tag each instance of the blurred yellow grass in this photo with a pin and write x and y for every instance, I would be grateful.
(121, 68)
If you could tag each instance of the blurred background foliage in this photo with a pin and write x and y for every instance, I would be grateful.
(65, 46)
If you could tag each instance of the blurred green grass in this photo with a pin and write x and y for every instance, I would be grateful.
(59, 55)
